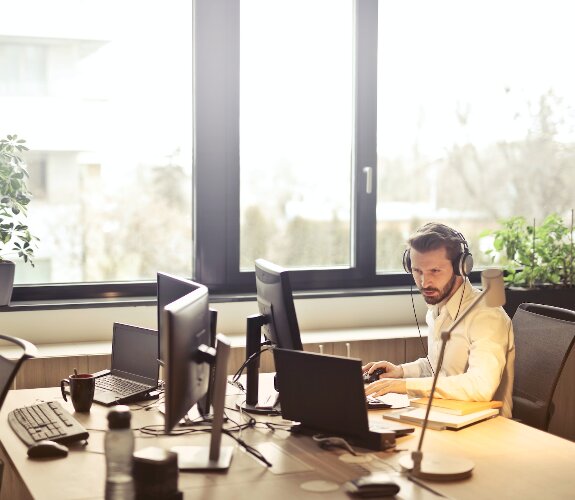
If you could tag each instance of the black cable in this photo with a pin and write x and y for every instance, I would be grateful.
(266, 345)
(418, 330)
(251, 450)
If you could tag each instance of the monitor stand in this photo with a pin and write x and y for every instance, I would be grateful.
(216, 457)
(253, 346)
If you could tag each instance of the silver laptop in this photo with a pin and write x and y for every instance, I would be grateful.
(135, 368)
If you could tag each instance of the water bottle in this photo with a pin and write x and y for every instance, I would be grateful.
(119, 447)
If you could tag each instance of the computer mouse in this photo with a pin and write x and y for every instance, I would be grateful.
(377, 484)
(369, 378)
(47, 449)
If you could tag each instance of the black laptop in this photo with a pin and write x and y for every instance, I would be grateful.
(135, 368)
(325, 394)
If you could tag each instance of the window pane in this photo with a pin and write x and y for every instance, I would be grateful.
(102, 93)
(476, 116)
(295, 132)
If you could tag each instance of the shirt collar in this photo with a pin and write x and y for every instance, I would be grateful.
(452, 305)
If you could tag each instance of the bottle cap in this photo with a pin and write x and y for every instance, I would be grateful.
(119, 417)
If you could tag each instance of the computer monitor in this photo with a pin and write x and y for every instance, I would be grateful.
(277, 320)
(185, 336)
(275, 303)
(169, 289)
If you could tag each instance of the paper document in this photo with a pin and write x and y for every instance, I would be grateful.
(440, 420)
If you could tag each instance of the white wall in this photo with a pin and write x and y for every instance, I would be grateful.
(95, 324)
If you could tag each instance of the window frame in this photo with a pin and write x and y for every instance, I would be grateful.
(216, 175)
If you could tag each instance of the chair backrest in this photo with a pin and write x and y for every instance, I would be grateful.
(9, 366)
(544, 337)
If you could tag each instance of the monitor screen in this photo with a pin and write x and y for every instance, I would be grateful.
(169, 289)
(185, 336)
(275, 303)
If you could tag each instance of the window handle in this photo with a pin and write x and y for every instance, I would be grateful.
(368, 171)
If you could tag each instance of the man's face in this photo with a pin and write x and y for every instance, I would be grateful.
(433, 275)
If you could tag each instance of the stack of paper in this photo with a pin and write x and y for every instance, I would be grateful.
(455, 407)
(455, 415)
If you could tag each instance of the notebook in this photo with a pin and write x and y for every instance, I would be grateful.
(135, 367)
(325, 394)
(439, 420)
(456, 407)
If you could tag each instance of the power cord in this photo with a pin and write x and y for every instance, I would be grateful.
(418, 330)
(235, 380)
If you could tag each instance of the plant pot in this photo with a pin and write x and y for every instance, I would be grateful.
(558, 297)
(7, 269)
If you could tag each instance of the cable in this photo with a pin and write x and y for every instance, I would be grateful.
(251, 450)
(418, 330)
(328, 441)
(266, 345)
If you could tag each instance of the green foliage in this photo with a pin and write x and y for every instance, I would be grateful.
(533, 255)
(15, 237)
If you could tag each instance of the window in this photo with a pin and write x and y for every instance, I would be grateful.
(296, 132)
(475, 117)
(315, 133)
(103, 97)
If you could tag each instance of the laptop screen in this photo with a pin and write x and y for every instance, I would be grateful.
(135, 352)
(322, 392)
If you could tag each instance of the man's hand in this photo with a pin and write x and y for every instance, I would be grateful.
(390, 370)
(385, 385)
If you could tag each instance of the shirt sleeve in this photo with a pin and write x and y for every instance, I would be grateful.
(418, 368)
(488, 332)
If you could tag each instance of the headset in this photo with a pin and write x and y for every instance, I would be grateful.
(462, 264)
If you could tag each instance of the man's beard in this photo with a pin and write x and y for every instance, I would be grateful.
(442, 293)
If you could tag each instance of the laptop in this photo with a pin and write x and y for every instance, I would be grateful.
(135, 368)
(325, 394)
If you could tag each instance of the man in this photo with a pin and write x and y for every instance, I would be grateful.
(479, 357)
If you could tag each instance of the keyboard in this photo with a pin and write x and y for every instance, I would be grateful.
(121, 386)
(46, 421)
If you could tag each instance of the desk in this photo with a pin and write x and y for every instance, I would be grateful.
(512, 461)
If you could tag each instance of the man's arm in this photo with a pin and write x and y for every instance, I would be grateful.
(489, 333)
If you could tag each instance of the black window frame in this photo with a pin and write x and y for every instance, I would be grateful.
(216, 225)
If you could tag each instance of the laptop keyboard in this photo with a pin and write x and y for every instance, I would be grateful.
(119, 385)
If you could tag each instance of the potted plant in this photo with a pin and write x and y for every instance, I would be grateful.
(15, 237)
(539, 261)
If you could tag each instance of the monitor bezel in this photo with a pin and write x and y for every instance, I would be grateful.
(186, 327)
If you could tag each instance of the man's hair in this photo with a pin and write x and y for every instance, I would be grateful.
(433, 236)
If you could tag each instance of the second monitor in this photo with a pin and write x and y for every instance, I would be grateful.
(277, 321)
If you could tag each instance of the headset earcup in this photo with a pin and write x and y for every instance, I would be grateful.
(463, 265)
(406, 261)
(466, 263)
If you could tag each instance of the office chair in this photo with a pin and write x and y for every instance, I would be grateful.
(544, 337)
(8, 370)
(9, 367)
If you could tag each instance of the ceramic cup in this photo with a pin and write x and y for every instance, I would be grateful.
(82, 387)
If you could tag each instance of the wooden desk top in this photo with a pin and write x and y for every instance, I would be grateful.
(512, 461)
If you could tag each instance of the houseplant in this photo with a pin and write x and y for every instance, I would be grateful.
(15, 236)
(539, 260)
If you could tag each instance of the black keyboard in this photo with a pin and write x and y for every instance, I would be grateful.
(46, 421)
(119, 385)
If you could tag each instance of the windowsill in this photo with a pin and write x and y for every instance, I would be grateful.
(85, 320)
(214, 298)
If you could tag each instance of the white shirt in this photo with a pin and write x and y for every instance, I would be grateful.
(479, 358)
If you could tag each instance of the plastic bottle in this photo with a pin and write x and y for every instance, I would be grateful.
(119, 448)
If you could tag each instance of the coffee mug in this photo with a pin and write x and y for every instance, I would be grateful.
(82, 387)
